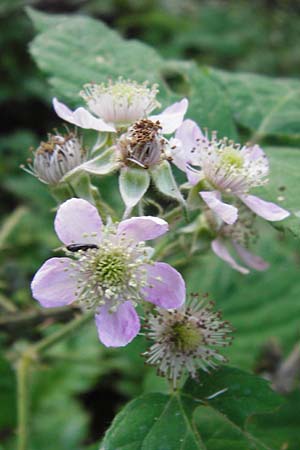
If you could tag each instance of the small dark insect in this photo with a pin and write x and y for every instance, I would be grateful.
(84, 247)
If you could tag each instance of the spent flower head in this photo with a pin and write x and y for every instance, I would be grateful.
(57, 156)
(186, 339)
(223, 168)
(107, 269)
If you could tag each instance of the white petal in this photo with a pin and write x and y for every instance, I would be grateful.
(78, 222)
(81, 117)
(253, 261)
(268, 210)
(221, 251)
(227, 213)
(143, 228)
(171, 118)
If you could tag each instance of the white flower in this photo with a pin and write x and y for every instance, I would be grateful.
(222, 167)
(116, 105)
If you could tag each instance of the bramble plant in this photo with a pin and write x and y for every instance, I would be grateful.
(188, 185)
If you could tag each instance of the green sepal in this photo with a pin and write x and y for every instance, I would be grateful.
(133, 185)
(165, 182)
(102, 164)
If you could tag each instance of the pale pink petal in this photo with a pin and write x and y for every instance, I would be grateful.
(193, 175)
(143, 228)
(81, 117)
(219, 248)
(171, 118)
(166, 287)
(117, 329)
(254, 153)
(188, 136)
(78, 222)
(55, 283)
(227, 213)
(268, 210)
(253, 261)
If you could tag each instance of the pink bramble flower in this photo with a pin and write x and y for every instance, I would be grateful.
(186, 339)
(107, 269)
(223, 168)
(115, 105)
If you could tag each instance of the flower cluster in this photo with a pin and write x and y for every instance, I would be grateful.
(108, 266)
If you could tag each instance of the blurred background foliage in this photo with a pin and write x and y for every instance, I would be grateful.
(77, 389)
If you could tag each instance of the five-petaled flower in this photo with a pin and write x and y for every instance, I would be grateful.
(223, 168)
(110, 272)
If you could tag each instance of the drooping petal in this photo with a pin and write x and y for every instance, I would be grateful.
(253, 261)
(102, 164)
(81, 117)
(78, 222)
(165, 182)
(268, 210)
(143, 228)
(219, 248)
(188, 135)
(227, 213)
(133, 184)
(166, 287)
(171, 118)
(117, 329)
(55, 283)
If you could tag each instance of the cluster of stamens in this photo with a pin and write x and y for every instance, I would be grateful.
(110, 274)
(186, 339)
(56, 157)
(121, 102)
(228, 167)
(143, 144)
(243, 231)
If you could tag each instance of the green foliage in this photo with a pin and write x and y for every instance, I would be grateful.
(224, 400)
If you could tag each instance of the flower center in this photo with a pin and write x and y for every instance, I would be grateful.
(142, 145)
(110, 268)
(186, 336)
(121, 102)
(232, 158)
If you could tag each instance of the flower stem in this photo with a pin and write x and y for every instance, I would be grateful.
(29, 355)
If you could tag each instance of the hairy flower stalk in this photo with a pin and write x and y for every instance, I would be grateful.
(108, 269)
(223, 168)
(186, 339)
(53, 159)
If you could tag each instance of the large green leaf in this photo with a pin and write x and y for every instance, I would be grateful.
(265, 106)
(180, 420)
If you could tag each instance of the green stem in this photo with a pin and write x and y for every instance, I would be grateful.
(31, 354)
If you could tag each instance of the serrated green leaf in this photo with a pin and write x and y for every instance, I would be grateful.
(167, 422)
(263, 105)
